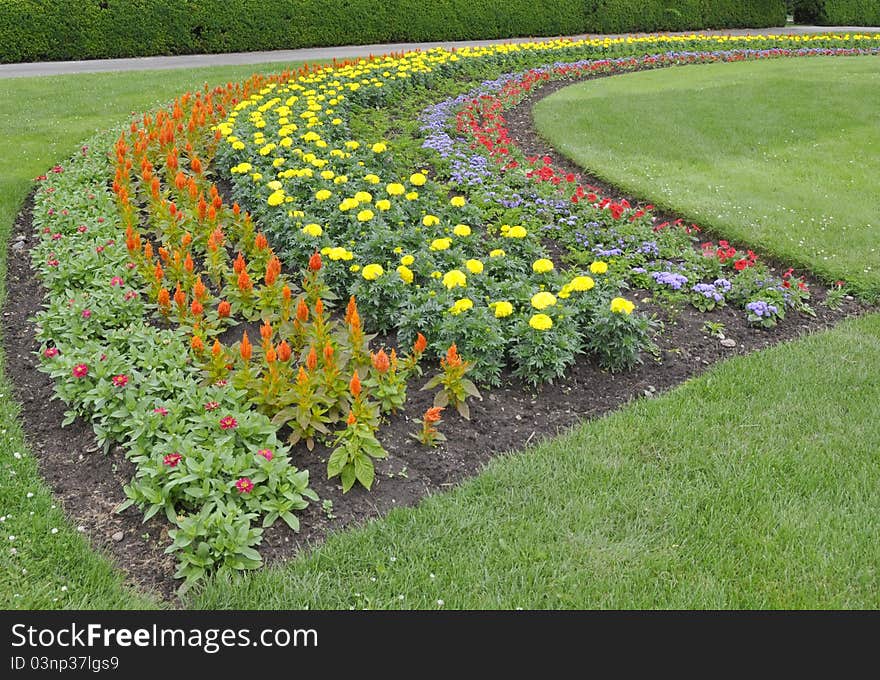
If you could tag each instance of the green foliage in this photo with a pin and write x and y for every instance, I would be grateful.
(34, 30)
(837, 12)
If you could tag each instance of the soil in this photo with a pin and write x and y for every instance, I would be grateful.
(89, 483)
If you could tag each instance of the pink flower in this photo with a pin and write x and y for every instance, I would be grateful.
(131, 265)
(80, 371)
(99, 249)
(100, 220)
(244, 485)
(82, 229)
(211, 405)
(87, 314)
(120, 380)
(53, 262)
(51, 352)
(40, 178)
(265, 453)
(161, 410)
(117, 281)
(64, 212)
(130, 295)
(228, 423)
(221, 383)
(57, 237)
(172, 459)
(57, 169)
(103, 357)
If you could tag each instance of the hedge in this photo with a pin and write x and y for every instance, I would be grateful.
(838, 12)
(38, 30)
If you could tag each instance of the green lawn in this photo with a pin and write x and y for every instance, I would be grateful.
(755, 485)
(783, 154)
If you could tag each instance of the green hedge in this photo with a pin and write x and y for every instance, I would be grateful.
(838, 12)
(37, 30)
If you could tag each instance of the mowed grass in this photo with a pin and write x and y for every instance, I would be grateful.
(781, 155)
(42, 122)
(756, 485)
(753, 486)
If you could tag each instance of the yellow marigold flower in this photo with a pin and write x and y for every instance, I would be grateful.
(340, 179)
(412, 195)
(395, 189)
(365, 215)
(363, 197)
(542, 266)
(323, 194)
(516, 232)
(436, 275)
(457, 201)
(352, 145)
(455, 278)
(347, 204)
(474, 266)
(371, 272)
(430, 220)
(327, 174)
(405, 273)
(371, 179)
(582, 283)
(621, 305)
(417, 179)
(407, 260)
(274, 185)
(541, 322)
(379, 147)
(354, 268)
(441, 243)
(599, 267)
(565, 293)
(543, 300)
(313, 229)
(461, 305)
(276, 198)
(461, 230)
(497, 253)
(238, 145)
(502, 309)
(383, 204)
(397, 250)
(257, 176)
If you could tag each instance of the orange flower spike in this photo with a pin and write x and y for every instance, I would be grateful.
(236, 209)
(302, 377)
(239, 265)
(163, 253)
(217, 349)
(260, 242)
(284, 351)
(350, 310)
(199, 289)
(352, 419)
(192, 188)
(158, 272)
(452, 357)
(188, 263)
(420, 344)
(273, 268)
(380, 361)
(319, 308)
(271, 355)
(224, 309)
(196, 165)
(432, 415)
(197, 345)
(315, 263)
(148, 250)
(180, 180)
(302, 311)
(355, 321)
(328, 354)
(163, 299)
(179, 298)
(354, 385)
(394, 359)
(212, 213)
(197, 308)
(244, 282)
(245, 349)
(312, 359)
(286, 293)
(186, 239)
(266, 331)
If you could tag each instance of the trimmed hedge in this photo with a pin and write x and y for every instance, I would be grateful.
(38, 30)
(838, 12)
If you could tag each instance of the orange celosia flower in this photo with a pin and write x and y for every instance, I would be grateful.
(273, 269)
(179, 298)
(199, 289)
(236, 209)
(432, 415)
(312, 359)
(355, 385)
(380, 361)
(266, 331)
(180, 180)
(148, 250)
(420, 344)
(315, 262)
(197, 308)
(302, 377)
(186, 239)
(286, 293)
(163, 253)
(188, 263)
(239, 265)
(217, 349)
(284, 351)
(260, 242)
(196, 165)
(270, 354)
(452, 359)
(197, 345)
(164, 298)
(350, 310)
(244, 282)
(246, 349)
(319, 307)
(158, 272)
(352, 419)
(224, 309)
(302, 311)
(328, 354)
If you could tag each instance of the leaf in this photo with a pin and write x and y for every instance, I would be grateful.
(470, 388)
(364, 470)
(348, 478)
(290, 520)
(432, 383)
(337, 462)
(464, 410)
(441, 399)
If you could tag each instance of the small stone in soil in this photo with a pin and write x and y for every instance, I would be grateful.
(118, 536)
(728, 342)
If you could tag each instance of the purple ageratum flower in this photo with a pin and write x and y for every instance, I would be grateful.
(650, 248)
(611, 252)
(638, 270)
(762, 309)
(708, 291)
(723, 284)
(671, 279)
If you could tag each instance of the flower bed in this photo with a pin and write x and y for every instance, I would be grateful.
(476, 250)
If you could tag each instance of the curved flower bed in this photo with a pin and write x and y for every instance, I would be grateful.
(464, 246)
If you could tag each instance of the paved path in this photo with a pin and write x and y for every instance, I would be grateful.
(320, 54)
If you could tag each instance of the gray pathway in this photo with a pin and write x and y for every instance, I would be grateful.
(318, 54)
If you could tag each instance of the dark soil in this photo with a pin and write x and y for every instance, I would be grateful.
(89, 483)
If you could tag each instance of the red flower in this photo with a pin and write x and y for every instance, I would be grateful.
(51, 352)
(211, 405)
(228, 423)
(161, 410)
(86, 313)
(120, 380)
(244, 485)
(80, 371)
(739, 265)
(172, 459)
(265, 453)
